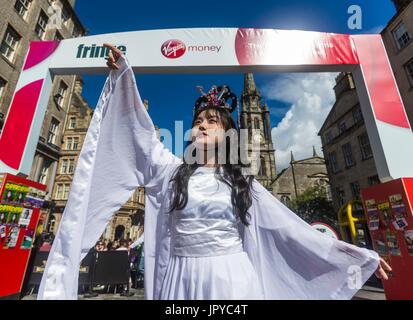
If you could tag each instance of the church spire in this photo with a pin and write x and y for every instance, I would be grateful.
(314, 152)
(250, 87)
(292, 157)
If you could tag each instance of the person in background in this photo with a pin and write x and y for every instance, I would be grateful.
(109, 246)
(116, 244)
(47, 244)
(141, 267)
(123, 246)
(134, 260)
(100, 246)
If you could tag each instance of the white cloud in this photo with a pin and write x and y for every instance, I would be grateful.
(311, 97)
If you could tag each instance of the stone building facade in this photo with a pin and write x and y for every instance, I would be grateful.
(23, 21)
(300, 176)
(74, 132)
(346, 145)
(398, 40)
(256, 115)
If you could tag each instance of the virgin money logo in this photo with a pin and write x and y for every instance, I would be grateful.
(173, 49)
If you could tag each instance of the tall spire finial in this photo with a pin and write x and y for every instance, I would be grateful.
(292, 157)
(250, 87)
(314, 152)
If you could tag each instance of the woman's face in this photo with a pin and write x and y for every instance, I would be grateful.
(207, 131)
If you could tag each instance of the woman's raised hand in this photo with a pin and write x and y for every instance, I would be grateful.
(114, 55)
(383, 269)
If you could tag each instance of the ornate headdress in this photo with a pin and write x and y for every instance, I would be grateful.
(216, 97)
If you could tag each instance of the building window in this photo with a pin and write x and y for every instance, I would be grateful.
(41, 24)
(54, 126)
(262, 172)
(43, 175)
(62, 191)
(72, 123)
(3, 84)
(357, 115)
(52, 224)
(68, 166)
(58, 36)
(10, 43)
(342, 127)
(61, 94)
(72, 143)
(71, 168)
(65, 15)
(69, 143)
(256, 123)
(77, 32)
(373, 180)
(408, 67)
(286, 200)
(22, 7)
(355, 189)
(333, 162)
(59, 191)
(328, 137)
(322, 185)
(365, 146)
(340, 196)
(66, 188)
(329, 196)
(63, 168)
(348, 155)
(401, 36)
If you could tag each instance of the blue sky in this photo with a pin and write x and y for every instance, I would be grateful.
(178, 91)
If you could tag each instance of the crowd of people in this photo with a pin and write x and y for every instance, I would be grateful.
(135, 257)
(45, 241)
(106, 245)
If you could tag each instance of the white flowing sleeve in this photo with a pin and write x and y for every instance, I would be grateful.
(121, 151)
(295, 261)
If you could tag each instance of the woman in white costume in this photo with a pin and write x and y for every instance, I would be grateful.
(210, 231)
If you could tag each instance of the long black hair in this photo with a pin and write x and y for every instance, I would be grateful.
(241, 187)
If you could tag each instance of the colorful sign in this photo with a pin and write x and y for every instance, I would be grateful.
(408, 238)
(393, 239)
(18, 221)
(372, 215)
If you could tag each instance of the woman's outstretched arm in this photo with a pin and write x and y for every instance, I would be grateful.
(121, 152)
(156, 158)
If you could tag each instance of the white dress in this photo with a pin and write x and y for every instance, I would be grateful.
(208, 260)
